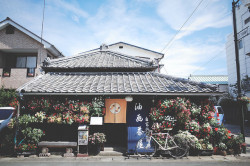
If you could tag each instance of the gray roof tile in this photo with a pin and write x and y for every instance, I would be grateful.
(100, 59)
(113, 83)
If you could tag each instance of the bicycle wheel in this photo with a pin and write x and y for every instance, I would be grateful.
(179, 147)
(146, 146)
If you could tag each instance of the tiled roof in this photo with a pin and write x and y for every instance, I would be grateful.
(114, 83)
(210, 79)
(100, 59)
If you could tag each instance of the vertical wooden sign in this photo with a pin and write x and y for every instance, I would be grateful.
(115, 111)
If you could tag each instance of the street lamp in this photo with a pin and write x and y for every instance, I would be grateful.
(234, 4)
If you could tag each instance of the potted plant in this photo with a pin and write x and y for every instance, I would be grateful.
(222, 149)
(95, 142)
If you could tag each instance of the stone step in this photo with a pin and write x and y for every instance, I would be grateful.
(113, 151)
(110, 153)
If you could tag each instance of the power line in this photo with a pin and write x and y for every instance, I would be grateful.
(214, 57)
(182, 26)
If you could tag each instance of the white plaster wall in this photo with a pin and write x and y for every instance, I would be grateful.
(133, 51)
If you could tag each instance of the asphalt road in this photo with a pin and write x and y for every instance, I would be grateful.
(133, 162)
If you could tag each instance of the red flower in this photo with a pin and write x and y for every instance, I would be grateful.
(216, 129)
(229, 131)
(43, 132)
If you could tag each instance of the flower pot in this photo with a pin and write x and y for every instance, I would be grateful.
(94, 149)
(206, 152)
(102, 147)
(230, 151)
(237, 150)
(215, 150)
(222, 152)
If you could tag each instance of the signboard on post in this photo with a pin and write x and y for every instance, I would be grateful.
(83, 137)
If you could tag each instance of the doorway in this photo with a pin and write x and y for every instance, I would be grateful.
(116, 133)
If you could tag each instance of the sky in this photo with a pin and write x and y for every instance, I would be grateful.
(75, 26)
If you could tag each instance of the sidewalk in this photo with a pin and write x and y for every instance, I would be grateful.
(235, 129)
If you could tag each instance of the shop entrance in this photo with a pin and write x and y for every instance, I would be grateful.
(116, 134)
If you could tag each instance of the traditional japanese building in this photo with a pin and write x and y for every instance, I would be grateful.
(129, 85)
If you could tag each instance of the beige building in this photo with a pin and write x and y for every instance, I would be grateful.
(21, 54)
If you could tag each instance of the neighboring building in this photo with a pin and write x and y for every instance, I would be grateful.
(135, 51)
(243, 23)
(128, 84)
(21, 54)
(219, 80)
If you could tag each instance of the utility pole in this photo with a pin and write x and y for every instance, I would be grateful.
(234, 4)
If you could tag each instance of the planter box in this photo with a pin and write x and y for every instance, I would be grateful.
(6, 74)
(26, 153)
(30, 74)
(96, 121)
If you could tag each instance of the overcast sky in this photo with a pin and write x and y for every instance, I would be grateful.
(76, 26)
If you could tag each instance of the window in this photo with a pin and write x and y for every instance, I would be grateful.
(240, 44)
(220, 111)
(21, 62)
(30, 72)
(121, 47)
(6, 72)
(247, 20)
(10, 29)
(26, 62)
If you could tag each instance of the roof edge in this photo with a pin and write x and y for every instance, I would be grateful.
(125, 94)
(47, 44)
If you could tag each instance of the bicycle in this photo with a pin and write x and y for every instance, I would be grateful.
(176, 146)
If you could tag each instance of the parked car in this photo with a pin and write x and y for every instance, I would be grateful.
(5, 116)
(219, 114)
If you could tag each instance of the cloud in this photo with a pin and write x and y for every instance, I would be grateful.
(184, 58)
(72, 30)
(70, 7)
(117, 21)
(210, 14)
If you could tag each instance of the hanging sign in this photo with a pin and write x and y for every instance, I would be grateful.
(137, 121)
(115, 111)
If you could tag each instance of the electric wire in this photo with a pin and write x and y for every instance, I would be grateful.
(182, 26)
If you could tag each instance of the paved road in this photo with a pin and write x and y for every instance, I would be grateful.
(121, 161)
(130, 163)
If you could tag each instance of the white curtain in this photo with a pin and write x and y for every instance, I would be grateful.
(21, 62)
(31, 62)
